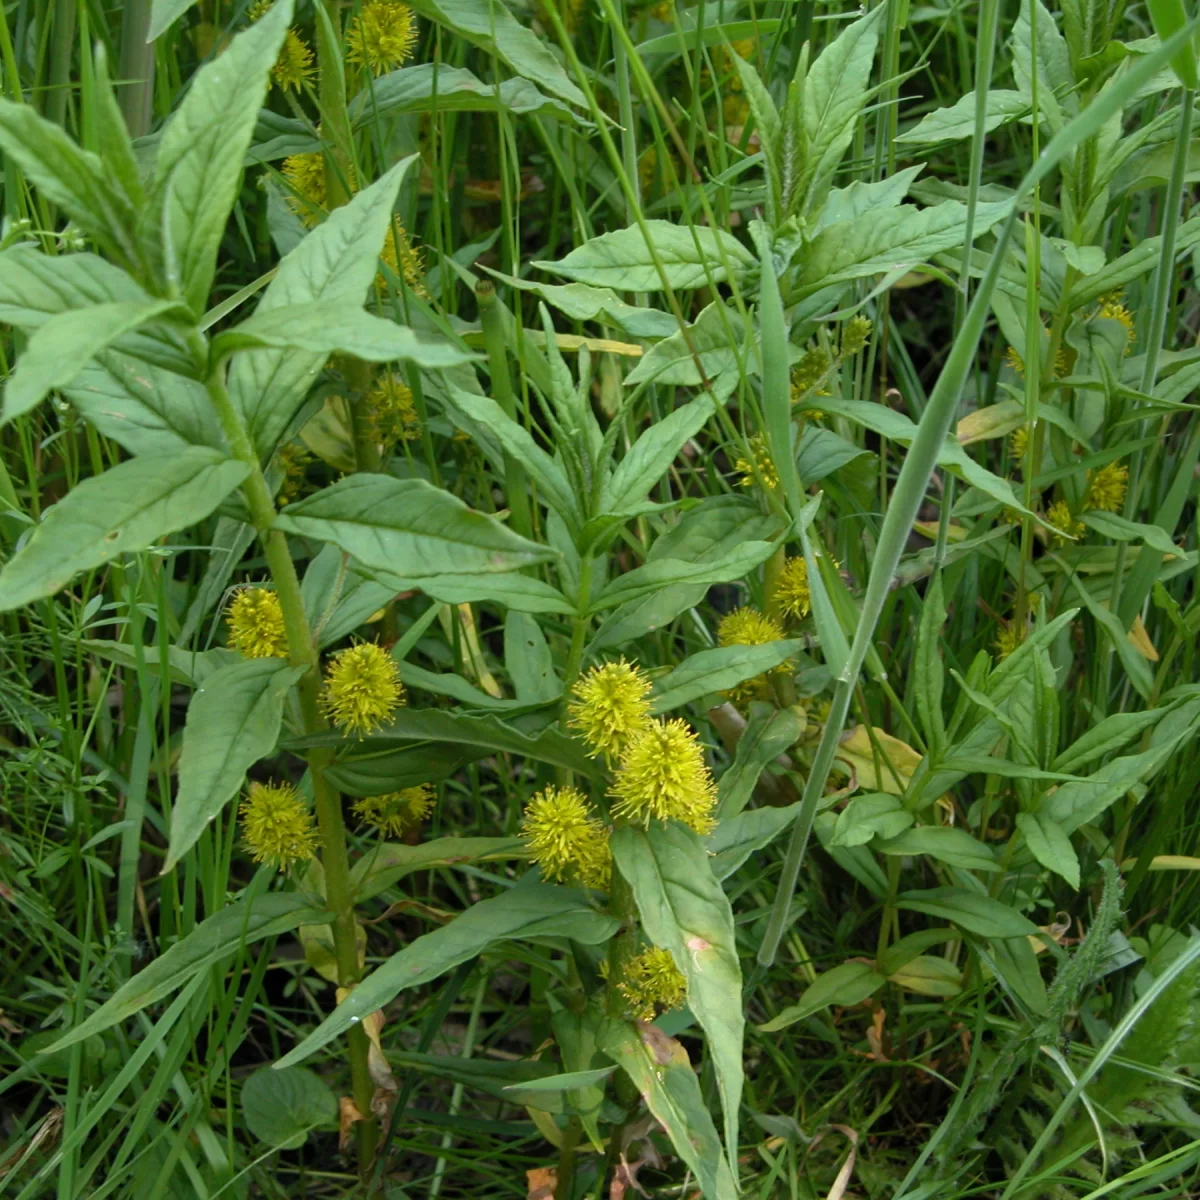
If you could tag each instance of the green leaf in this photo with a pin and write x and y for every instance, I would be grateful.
(717, 670)
(930, 674)
(495, 30)
(232, 722)
(337, 597)
(61, 347)
(835, 91)
(423, 87)
(1051, 60)
(164, 14)
(190, 667)
(126, 509)
(691, 258)
(973, 912)
(1050, 846)
(73, 179)
(685, 910)
(323, 327)
(708, 352)
(768, 734)
(845, 985)
(736, 838)
(583, 303)
(665, 572)
(662, 1073)
(949, 845)
(334, 264)
(408, 526)
(1115, 731)
(520, 592)
(1112, 525)
(198, 169)
(1136, 667)
(281, 1107)
(957, 122)
(485, 734)
(529, 661)
(859, 198)
(212, 940)
(388, 862)
(1133, 264)
(928, 976)
(652, 454)
(529, 910)
(893, 239)
(868, 816)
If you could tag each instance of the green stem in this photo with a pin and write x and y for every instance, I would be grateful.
(582, 621)
(136, 68)
(61, 48)
(302, 652)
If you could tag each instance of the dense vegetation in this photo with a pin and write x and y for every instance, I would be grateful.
(599, 599)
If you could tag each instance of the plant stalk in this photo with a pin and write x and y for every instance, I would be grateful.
(136, 68)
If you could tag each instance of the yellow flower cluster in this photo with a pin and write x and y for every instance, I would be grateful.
(809, 376)
(652, 983)
(749, 627)
(566, 838)
(294, 460)
(277, 826)
(1060, 516)
(396, 812)
(1106, 487)
(362, 688)
(855, 335)
(1018, 443)
(758, 465)
(383, 36)
(305, 174)
(1013, 358)
(792, 590)
(393, 414)
(1112, 306)
(609, 706)
(1009, 636)
(256, 628)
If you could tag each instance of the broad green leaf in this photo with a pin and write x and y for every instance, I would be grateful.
(112, 136)
(386, 863)
(408, 527)
(1112, 525)
(954, 846)
(662, 1073)
(835, 91)
(1050, 846)
(164, 14)
(528, 910)
(323, 327)
(520, 592)
(665, 572)
(859, 198)
(1114, 732)
(578, 1035)
(821, 452)
(691, 258)
(73, 179)
(652, 454)
(213, 939)
(768, 734)
(718, 670)
(713, 348)
(685, 910)
(496, 31)
(529, 660)
(60, 347)
(1135, 263)
(487, 734)
(232, 722)
(446, 683)
(190, 667)
(892, 239)
(956, 122)
(845, 985)
(386, 770)
(337, 597)
(876, 814)
(281, 1107)
(334, 264)
(928, 976)
(1168, 17)
(198, 169)
(126, 509)
(907, 948)
(737, 837)
(423, 87)
(583, 303)
(973, 912)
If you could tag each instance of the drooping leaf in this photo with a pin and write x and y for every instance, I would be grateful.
(199, 164)
(845, 985)
(232, 722)
(529, 910)
(127, 508)
(520, 592)
(212, 940)
(583, 303)
(691, 258)
(685, 910)
(409, 527)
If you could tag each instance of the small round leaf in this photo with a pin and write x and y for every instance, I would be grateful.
(281, 1107)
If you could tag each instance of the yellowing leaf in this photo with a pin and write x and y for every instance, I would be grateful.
(930, 976)
(857, 751)
(992, 422)
(1139, 639)
(1174, 862)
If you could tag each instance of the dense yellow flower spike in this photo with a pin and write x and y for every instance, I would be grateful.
(277, 826)
(609, 706)
(362, 688)
(1059, 515)
(652, 984)
(403, 258)
(762, 467)
(566, 838)
(749, 627)
(808, 375)
(383, 36)
(1106, 487)
(855, 335)
(1018, 443)
(256, 628)
(792, 590)
(1112, 306)
(294, 66)
(306, 175)
(1009, 637)
(395, 812)
(663, 776)
(393, 413)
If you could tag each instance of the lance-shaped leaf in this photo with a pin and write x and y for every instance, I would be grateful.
(232, 722)
(684, 910)
(530, 910)
(719, 669)
(126, 509)
(409, 527)
(652, 454)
